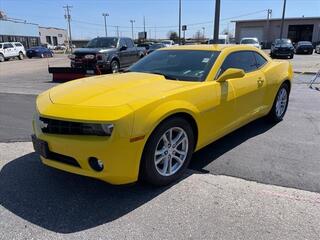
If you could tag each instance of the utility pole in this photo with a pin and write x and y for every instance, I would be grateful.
(216, 23)
(132, 21)
(179, 22)
(269, 12)
(282, 20)
(144, 28)
(68, 17)
(155, 32)
(203, 29)
(105, 15)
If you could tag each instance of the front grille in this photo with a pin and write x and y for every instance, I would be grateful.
(54, 126)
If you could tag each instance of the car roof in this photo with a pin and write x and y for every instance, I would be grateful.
(211, 47)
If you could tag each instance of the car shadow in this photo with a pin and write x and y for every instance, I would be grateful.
(210, 153)
(68, 203)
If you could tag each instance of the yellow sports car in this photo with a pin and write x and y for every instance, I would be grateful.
(146, 123)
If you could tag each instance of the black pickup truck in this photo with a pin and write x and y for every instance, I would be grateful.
(108, 54)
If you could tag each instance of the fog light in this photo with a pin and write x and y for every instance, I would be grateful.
(96, 164)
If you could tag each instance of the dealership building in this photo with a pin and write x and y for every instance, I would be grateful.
(19, 31)
(52, 36)
(296, 29)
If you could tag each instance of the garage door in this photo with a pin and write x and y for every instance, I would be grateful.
(252, 32)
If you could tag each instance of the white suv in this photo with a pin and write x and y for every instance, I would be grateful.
(11, 50)
(251, 41)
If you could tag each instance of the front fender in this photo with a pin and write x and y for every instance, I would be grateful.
(147, 119)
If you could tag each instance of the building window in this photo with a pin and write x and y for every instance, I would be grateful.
(48, 40)
(59, 35)
(55, 41)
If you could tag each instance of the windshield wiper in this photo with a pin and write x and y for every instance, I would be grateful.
(166, 76)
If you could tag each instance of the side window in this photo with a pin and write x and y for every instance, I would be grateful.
(129, 43)
(243, 60)
(18, 45)
(260, 60)
(122, 42)
(8, 45)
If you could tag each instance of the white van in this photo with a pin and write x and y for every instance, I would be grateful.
(11, 50)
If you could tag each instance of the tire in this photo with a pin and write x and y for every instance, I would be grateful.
(20, 56)
(114, 66)
(42, 55)
(280, 104)
(159, 174)
(2, 59)
(291, 56)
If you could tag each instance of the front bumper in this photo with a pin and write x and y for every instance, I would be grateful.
(121, 158)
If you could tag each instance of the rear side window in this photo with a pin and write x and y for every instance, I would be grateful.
(18, 44)
(260, 60)
(244, 60)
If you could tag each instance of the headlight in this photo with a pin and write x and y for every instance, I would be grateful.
(72, 56)
(89, 56)
(97, 129)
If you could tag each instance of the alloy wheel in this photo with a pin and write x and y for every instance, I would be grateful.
(281, 103)
(171, 151)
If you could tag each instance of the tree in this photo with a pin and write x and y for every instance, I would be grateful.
(172, 35)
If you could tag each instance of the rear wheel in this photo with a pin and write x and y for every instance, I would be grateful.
(167, 152)
(21, 56)
(280, 104)
(291, 56)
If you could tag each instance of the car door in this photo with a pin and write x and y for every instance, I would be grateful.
(132, 51)
(9, 50)
(249, 90)
(123, 53)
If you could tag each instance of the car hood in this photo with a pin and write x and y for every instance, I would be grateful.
(92, 50)
(113, 90)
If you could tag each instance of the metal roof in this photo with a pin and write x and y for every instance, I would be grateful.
(278, 19)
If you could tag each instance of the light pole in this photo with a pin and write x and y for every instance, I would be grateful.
(282, 20)
(132, 21)
(216, 23)
(204, 29)
(179, 22)
(105, 15)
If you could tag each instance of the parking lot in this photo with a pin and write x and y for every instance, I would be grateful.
(260, 182)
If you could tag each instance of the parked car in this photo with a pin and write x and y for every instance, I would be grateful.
(147, 122)
(155, 46)
(223, 39)
(11, 50)
(39, 51)
(251, 41)
(317, 49)
(144, 45)
(108, 53)
(282, 48)
(60, 47)
(304, 47)
(168, 43)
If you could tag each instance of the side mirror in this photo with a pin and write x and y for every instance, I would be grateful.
(124, 47)
(231, 73)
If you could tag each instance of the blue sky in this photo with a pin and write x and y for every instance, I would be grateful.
(161, 15)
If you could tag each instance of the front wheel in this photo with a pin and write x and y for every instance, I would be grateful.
(280, 104)
(114, 65)
(1, 57)
(167, 152)
(21, 56)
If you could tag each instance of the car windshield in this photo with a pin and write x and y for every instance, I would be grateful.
(102, 43)
(249, 41)
(304, 43)
(185, 65)
(283, 41)
(166, 42)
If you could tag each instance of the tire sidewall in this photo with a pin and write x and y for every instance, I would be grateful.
(2, 59)
(273, 113)
(148, 171)
(111, 66)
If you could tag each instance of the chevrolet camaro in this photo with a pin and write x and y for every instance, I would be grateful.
(145, 123)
